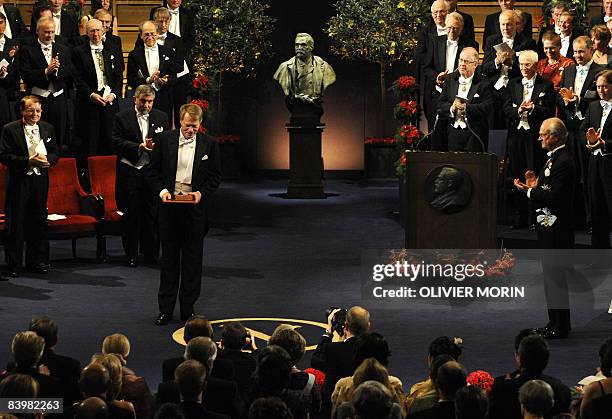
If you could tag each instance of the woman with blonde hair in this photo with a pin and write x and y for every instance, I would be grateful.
(133, 388)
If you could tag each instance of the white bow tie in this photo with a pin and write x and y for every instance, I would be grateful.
(46, 47)
(162, 36)
(607, 18)
(508, 41)
(57, 15)
(153, 48)
(463, 80)
(582, 70)
(173, 12)
(605, 105)
(97, 48)
(527, 83)
(453, 43)
(144, 116)
(186, 141)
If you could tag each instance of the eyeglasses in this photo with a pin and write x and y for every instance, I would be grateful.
(462, 61)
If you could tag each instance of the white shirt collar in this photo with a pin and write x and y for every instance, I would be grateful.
(44, 45)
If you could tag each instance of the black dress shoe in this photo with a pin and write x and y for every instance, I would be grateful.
(41, 268)
(132, 263)
(163, 319)
(555, 334)
(185, 317)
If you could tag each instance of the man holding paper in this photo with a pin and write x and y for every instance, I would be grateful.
(185, 171)
(500, 62)
(98, 80)
(28, 149)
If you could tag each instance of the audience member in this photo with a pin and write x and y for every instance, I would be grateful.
(19, 386)
(602, 53)
(552, 67)
(9, 73)
(471, 402)
(492, 21)
(599, 388)
(451, 377)
(371, 400)
(133, 388)
(96, 382)
(269, 408)
(92, 408)
(234, 339)
(190, 377)
(536, 398)
(169, 411)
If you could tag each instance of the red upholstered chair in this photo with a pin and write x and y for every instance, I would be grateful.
(102, 175)
(66, 197)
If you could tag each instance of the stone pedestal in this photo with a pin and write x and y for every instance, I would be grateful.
(305, 162)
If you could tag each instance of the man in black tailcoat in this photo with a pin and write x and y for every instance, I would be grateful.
(183, 162)
(28, 149)
(465, 101)
(9, 74)
(134, 132)
(551, 193)
(492, 21)
(46, 69)
(529, 101)
(98, 79)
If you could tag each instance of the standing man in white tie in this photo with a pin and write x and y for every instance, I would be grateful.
(9, 77)
(46, 69)
(28, 149)
(503, 66)
(155, 65)
(66, 23)
(605, 16)
(134, 137)
(597, 131)
(15, 27)
(577, 90)
(98, 79)
(529, 100)
(183, 162)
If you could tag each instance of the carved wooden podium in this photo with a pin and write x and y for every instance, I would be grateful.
(450, 201)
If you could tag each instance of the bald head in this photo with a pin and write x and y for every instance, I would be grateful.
(95, 380)
(357, 321)
(92, 408)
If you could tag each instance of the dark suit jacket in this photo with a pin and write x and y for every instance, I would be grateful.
(244, 367)
(555, 192)
(206, 174)
(13, 16)
(436, 59)
(69, 25)
(567, 80)
(504, 402)
(85, 71)
(593, 120)
(468, 26)
(219, 396)
(521, 43)
(479, 103)
(9, 85)
(543, 97)
(441, 410)
(597, 20)
(335, 359)
(14, 151)
(137, 71)
(194, 410)
(109, 38)
(492, 26)
(127, 136)
(33, 64)
(67, 369)
(50, 387)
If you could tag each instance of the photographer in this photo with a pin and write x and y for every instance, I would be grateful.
(334, 353)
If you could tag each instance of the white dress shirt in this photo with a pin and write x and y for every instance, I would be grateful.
(581, 74)
(502, 81)
(451, 54)
(441, 30)
(35, 146)
(47, 51)
(565, 44)
(7, 31)
(144, 158)
(184, 166)
(527, 92)
(462, 91)
(152, 58)
(57, 18)
(2, 43)
(606, 107)
(175, 23)
(100, 77)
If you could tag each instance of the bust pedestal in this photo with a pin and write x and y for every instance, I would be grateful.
(305, 161)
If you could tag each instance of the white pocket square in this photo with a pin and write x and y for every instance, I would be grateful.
(166, 58)
(112, 57)
(159, 129)
(514, 105)
(49, 139)
(541, 94)
(205, 157)
(476, 95)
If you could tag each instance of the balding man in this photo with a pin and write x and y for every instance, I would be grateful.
(334, 355)
(429, 33)
(551, 193)
(468, 21)
(491, 21)
(46, 69)
(98, 80)
(91, 408)
(443, 59)
(465, 101)
(529, 101)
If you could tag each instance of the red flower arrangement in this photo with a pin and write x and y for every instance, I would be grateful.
(481, 379)
(404, 86)
(408, 134)
(228, 139)
(408, 107)
(406, 82)
(200, 84)
(319, 376)
(203, 104)
(379, 140)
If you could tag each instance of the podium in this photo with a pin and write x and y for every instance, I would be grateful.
(450, 200)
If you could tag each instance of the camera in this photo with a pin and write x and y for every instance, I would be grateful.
(338, 320)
